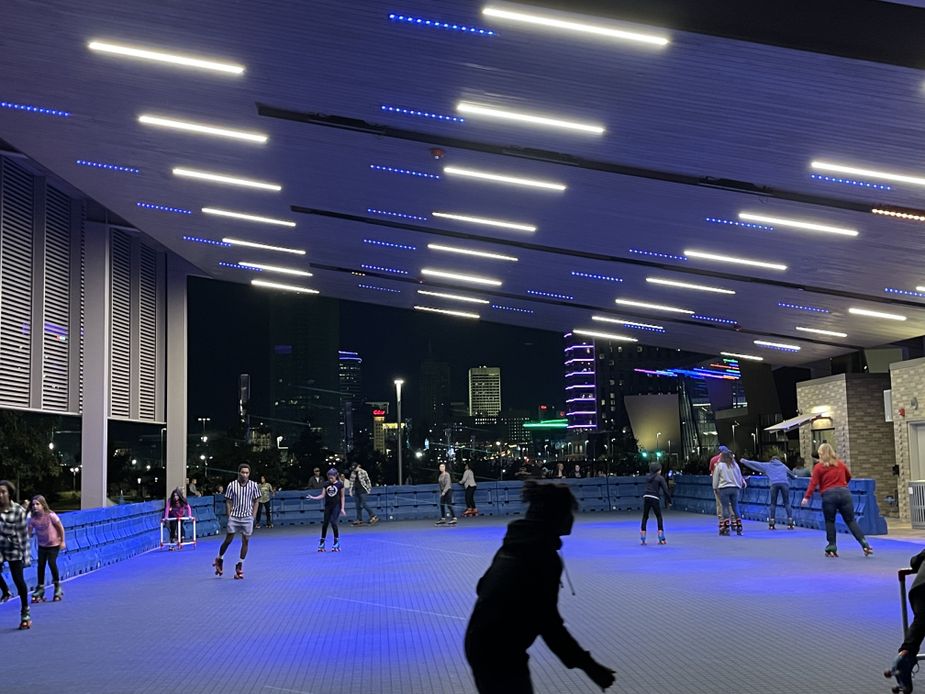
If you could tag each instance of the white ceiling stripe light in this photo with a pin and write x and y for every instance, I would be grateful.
(686, 285)
(486, 221)
(285, 287)
(620, 321)
(276, 268)
(555, 22)
(202, 128)
(734, 260)
(920, 289)
(654, 307)
(246, 217)
(461, 278)
(604, 336)
(162, 57)
(832, 333)
(867, 173)
(262, 246)
(471, 109)
(466, 251)
(739, 355)
(221, 178)
(796, 224)
(454, 297)
(875, 314)
(448, 312)
(777, 345)
(900, 215)
(501, 178)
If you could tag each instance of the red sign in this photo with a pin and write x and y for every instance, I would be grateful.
(378, 413)
(544, 407)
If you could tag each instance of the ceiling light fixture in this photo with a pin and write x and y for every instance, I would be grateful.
(466, 251)
(276, 268)
(875, 314)
(738, 355)
(501, 178)
(777, 345)
(603, 336)
(262, 246)
(486, 221)
(286, 287)
(899, 215)
(556, 22)
(734, 260)
(461, 278)
(686, 285)
(796, 224)
(654, 307)
(470, 108)
(453, 297)
(867, 173)
(202, 128)
(246, 217)
(832, 333)
(448, 312)
(221, 178)
(161, 57)
(628, 323)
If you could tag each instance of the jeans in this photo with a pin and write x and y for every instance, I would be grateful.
(784, 491)
(839, 499)
(649, 504)
(359, 498)
(48, 555)
(16, 572)
(470, 497)
(729, 498)
(446, 502)
(912, 641)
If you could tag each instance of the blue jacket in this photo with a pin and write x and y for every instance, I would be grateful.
(776, 471)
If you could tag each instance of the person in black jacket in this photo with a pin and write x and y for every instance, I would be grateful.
(905, 660)
(655, 483)
(518, 599)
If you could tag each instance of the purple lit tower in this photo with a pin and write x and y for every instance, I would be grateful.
(580, 403)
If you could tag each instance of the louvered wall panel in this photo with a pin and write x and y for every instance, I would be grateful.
(121, 320)
(56, 338)
(147, 347)
(83, 304)
(16, 219)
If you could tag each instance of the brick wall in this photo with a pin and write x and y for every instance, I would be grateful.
(908, 384)
(830, 392)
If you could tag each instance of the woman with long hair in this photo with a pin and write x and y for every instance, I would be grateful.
(177, 507)
(49, 532)
(831, 476)
(727, 481)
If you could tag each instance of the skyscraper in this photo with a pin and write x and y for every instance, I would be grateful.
(434, 392)
(580, 379)
(484, 391)
(351, 387)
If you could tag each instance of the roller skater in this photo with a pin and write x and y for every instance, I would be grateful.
(779, 476)
(15, 548)
(445, 483)
(831, 476)
(469, 485)
(334, 498)
(651, 501)
(49, 534)
(360, 487)
(241, 498)
(727, 481)
(906, 660)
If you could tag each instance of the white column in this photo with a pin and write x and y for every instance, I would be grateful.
(95, 420)
(177, 274)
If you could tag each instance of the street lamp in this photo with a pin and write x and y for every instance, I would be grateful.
(656, 441)
(734, 425)
(398, 384)
(74, 471)
(755, 443)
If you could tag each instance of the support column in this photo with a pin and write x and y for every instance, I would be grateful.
(95, 420)
(176, 370)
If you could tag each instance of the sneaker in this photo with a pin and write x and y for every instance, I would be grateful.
(374, 520)
(452, 521)
(440, 522)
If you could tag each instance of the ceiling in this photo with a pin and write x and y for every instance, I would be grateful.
(702, 128)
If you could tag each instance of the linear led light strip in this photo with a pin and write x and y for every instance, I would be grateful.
(229, 180)
(777, 345)
(687, 285)
(734, 260)
(553, 22)
(202, 128)
(276, 268)
(899, 215)
(867, 173)
(501, 178)
(262, 246)
(796, 224)
(286, 287)
(246, 217)
(161, 57)
(654, 307)
(875, 314)
(628, 323)
(461, 278)
(603, 336)
(467, 251)
(454, 297)
(832, 333)
(543, 121)
(486, 221)
(448, 312)
(739, 355)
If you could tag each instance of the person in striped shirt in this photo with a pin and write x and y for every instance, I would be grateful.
(241, 498)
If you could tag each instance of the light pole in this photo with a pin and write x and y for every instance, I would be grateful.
(734, 425)
(398, 385)
(656, 444)
(755, 443)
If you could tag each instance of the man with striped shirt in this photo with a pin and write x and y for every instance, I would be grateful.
(241, 499)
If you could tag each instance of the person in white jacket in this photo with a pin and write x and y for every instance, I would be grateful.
(727, 481)
(469, 485)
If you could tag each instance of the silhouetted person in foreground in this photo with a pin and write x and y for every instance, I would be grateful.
(518, 596)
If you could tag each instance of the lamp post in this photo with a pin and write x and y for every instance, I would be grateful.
(656, 444)
(398, 385)
(734, 425)
(755, 443)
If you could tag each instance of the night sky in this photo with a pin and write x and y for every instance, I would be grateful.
(229, 335)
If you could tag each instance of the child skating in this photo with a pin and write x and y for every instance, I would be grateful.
(241, 499)
(651, 501)
(15, 549)
(49, 534)
(906, 659)
(334, 498)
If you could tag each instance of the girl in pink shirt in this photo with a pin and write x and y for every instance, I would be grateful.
(49, 532)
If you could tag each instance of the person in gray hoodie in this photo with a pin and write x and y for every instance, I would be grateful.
(779, 477)
(727, 481)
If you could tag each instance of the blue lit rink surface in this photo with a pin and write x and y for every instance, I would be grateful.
(764, 613)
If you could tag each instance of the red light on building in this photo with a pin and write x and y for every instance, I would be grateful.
(544, 407)
(378, 413)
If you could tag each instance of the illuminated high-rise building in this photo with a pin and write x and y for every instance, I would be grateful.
(484, 391)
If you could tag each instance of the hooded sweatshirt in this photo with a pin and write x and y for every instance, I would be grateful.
(727, 475)
(776, 471)
(518, 601)
(655, 483)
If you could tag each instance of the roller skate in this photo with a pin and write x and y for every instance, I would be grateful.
(38, 595)
(901, 669)
(467, 513)
(790, 524)
(219, 565)
(831, 551)
(868, 550)
(239, 571)
(724, 527)
(442, 521)
(374, 520)
(321, 545)
(336, 547)
(661, 538)
(738, 526)
(356, 522)
(59, 594)
(25, 620)
(475, 512)
(642, 537)
(7, 595)
(771, 523)
(453, 521)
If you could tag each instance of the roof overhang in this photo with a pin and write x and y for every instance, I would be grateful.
(794, 422)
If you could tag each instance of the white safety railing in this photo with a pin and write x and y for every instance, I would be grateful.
(180, 542)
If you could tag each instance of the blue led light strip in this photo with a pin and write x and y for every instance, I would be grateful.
(732, 222)
(405, 172)
(714, 319)
(379, 289)
(34, 109)
(400, 215)
(208, 242)
(435, 24)
(780, 349)
(798, 307)
(422, 114)
(668, 256)
(499, 307)
(162, 208)
(551, 295)
(636, 326)
(108, 167)
(379, 268)
(235, 266)
(389, 244)
(850, 182)
(904, 292)
(592, 276)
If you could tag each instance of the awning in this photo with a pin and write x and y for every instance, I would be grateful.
(793, 422)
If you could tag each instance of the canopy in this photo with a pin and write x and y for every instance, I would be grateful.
(793, 422)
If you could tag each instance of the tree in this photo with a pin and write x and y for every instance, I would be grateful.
(25, 458)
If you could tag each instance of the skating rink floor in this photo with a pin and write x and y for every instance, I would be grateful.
(765, 613)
